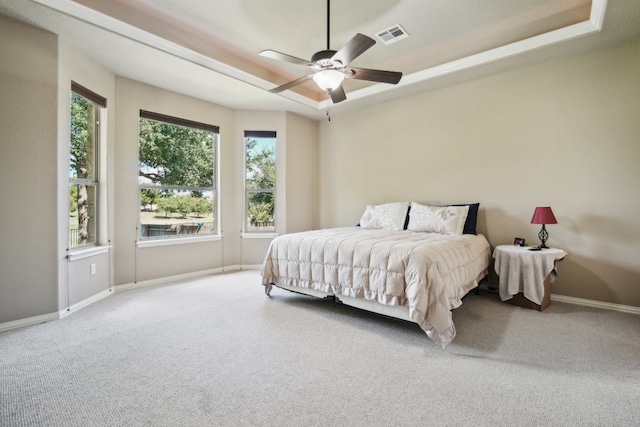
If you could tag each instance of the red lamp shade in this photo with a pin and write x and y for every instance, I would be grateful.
(543, 215)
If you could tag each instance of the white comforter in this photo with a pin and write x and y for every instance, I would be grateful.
(426, 272)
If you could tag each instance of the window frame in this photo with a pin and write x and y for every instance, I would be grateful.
(99, 104)
(178, 238)
(246, 231)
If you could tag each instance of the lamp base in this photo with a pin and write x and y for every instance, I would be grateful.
(538, 248)
(543, 235)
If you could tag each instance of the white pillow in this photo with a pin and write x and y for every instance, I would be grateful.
(388, 216)
(437, 219)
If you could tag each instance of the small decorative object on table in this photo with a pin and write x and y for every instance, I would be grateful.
(543, 215)
(519, 241)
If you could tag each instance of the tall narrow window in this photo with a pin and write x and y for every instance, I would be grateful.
(177, 177)
(86, 109)
(260, 181)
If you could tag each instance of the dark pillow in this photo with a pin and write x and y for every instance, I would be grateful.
(472, 218)
(406, 220)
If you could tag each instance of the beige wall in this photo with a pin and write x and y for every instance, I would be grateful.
(28, 171)
(134, 264)
(564, 133)
(295, 153)
(252, 250)
(296, 137)
(36, 276)
(300, 168)
(37, 280)
(75, 278)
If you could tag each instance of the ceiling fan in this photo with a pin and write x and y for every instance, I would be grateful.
(329, 67)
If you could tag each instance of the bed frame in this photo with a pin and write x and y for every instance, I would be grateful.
(397, 312)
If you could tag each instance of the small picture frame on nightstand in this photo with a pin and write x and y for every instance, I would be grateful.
(518, 241)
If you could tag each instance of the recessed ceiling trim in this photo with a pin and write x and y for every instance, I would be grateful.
(598, 8)
(581, 29)
(73, 9)
(123, 29)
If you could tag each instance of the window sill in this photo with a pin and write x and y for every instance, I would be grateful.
(258, 235)
(76, 254)
(176, 241)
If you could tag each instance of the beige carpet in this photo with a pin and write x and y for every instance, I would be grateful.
(217, 352)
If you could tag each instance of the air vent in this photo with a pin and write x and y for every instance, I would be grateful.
(392, 34)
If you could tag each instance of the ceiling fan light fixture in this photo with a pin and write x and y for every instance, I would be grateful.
(328, 80)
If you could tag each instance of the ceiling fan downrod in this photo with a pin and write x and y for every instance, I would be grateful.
(328, 22)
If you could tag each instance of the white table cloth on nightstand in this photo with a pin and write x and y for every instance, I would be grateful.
(522, 270)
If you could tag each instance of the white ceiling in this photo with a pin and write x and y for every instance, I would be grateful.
(209, 48)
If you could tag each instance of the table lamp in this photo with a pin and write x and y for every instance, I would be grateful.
(543, 215)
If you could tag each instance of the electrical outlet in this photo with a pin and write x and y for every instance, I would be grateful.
(92, 268)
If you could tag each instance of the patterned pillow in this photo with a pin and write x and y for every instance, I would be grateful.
(437, 219)
(472, 218)
(388, 216)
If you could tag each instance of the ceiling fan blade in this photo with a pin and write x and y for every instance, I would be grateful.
(291, 84)
(354, 48)
(284, 57)
(392, 77)
(337, 95)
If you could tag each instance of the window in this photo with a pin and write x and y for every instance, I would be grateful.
(86, 108)
(177, 177)
(260, 181)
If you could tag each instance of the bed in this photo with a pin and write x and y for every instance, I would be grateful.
(410, 261)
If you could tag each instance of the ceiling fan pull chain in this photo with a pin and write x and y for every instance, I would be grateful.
(328, 114)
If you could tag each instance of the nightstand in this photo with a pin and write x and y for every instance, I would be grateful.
(525, 276)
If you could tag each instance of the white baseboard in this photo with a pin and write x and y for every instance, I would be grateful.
(43, 318)
(596, 304)
(493, 288)
(29, 321)
(77, 306)
(186, 276)
(169, 279)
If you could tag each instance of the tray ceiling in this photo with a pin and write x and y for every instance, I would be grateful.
(210, 49)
